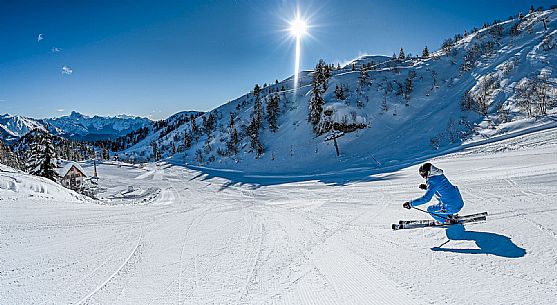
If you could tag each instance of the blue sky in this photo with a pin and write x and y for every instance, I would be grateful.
(155, 58)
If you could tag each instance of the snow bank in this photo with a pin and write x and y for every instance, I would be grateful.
(17, 185)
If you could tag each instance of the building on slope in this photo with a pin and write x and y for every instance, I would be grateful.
(73, 176)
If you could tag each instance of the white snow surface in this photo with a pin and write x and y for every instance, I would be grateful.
(180, 236)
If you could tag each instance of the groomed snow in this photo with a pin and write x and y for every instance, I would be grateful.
(205, 239)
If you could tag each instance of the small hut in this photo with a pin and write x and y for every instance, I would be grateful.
(73, 176)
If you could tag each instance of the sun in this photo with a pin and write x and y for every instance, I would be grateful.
(298, 27)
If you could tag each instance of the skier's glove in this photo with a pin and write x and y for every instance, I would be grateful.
(407, 205)
(423, 186)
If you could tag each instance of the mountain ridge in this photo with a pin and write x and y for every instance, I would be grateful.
(478, 85)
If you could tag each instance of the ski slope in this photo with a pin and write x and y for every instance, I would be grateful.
(180, 236)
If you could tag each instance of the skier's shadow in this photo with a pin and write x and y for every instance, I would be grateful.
(488, 243)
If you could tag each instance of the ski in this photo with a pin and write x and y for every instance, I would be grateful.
(402, 222)
(432, 223)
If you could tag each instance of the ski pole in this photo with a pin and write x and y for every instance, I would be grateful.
(431, 213)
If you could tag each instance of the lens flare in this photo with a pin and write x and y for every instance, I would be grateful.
(298, 28)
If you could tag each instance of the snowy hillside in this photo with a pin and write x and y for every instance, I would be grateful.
(166, 234)
(487, 83)
(17, 186)
(81, 127)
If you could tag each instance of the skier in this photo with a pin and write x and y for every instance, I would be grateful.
(449, 199)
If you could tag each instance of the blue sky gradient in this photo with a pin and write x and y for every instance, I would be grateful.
(155, 58)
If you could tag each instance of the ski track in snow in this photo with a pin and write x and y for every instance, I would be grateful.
(208, 240)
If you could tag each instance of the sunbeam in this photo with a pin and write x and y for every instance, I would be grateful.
(298, 28)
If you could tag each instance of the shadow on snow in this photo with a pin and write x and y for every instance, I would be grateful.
(488, 243)
(256, 180)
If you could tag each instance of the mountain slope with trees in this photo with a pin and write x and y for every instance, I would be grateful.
(481, 84)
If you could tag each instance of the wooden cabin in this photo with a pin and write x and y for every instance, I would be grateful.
(73, 176)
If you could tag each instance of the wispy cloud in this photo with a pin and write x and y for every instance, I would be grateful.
(67, 70)
(60, 110)
(55, 50)
(40, 37)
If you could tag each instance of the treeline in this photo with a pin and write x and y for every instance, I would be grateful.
(165, 127)
(38, 153)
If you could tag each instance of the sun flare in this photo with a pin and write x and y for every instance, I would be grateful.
(298, 27)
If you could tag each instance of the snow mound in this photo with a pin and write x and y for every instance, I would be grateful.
(17, 185)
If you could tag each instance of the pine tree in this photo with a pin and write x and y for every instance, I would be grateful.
(321, 75)
(272, 111)
(7, 157)
(48, 166)
(232, 144)
(187, 140)
(255, 124)
(401, 55)
(339, 93)
(105, 154)
(316, 101)
(41, 160)
(425, 53)
(364, 77)
(194, 128)
(384, 106)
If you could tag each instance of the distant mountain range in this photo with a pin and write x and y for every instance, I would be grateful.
(75, 126)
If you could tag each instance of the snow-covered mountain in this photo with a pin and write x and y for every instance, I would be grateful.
(81, 127)
(75, 126)
(483, 84)
(14, 127)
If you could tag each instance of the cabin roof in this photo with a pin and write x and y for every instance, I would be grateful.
(69, 166)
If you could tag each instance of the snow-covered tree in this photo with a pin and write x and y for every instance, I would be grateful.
(187, 140)
(319, 86)
(42, 157)
(401, 55)
(363, 78)
(273, 111)
(542, 92)
(7, 157)
(447, 45)
(255, 123)
(339, 93)
(425, 53)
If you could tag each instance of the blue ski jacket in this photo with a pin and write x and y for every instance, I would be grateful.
(448, 195)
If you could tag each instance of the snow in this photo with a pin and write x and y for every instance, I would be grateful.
(227, 237)
(16, 185)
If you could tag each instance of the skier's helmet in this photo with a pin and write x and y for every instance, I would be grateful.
(424, 169)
